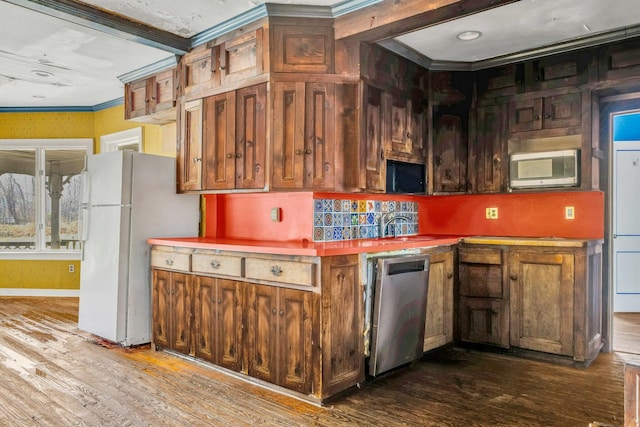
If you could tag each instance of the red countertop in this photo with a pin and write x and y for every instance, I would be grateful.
(308, 248)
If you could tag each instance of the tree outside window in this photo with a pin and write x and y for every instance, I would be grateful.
(40, 194)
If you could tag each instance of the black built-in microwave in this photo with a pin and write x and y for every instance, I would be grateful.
(403, 177)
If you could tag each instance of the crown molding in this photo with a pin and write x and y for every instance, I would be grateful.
(149, 70)
(71, 109)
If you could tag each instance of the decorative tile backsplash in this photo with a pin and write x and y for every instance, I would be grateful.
(335, 219)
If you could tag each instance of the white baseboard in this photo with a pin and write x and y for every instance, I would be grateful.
(27, 292)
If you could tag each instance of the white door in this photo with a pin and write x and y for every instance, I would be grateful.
(626, 220)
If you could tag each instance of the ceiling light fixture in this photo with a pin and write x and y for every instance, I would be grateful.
(42, 73)
(469, 35)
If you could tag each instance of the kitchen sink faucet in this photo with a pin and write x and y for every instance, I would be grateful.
(387, 219)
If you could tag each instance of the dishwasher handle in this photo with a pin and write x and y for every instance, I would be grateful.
(408, 266)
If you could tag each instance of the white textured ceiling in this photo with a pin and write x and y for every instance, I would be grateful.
(49, 62)
(521, 26)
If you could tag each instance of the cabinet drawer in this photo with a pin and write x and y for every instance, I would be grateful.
(217, 264)
(170, 260)
(294, 272)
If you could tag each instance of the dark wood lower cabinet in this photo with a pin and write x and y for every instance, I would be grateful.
(171, 310)
(304, 339)
(218, 325)
(545, 297)
(279, 331)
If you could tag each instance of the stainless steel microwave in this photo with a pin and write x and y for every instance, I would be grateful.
(545, 169)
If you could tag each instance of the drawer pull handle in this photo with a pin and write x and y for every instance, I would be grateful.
(276, 270)
(215, 264)
(169, 261)
(513, 277)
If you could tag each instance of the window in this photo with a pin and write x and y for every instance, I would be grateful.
(40, 193)
(130, 139)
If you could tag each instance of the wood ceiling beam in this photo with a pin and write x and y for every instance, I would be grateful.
(106, 22)
(392, 18)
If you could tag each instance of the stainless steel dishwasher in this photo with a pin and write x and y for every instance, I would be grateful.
(399, 310)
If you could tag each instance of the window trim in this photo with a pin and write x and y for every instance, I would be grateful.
(40, 145)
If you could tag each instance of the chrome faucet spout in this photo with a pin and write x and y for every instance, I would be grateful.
(387, 219)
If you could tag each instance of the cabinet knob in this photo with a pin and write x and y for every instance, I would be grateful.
(537, 117)
(307, 151)
(547, 116)
(382, 154)
(276, 270)
(513, 277)
(281, 313)
(169, 262)
(298, 152)
(449, 275)
(219, 300)
(273, 310)
(238, 155)
(229, 156)
(197, 159)
(408, 135)
(215, 264)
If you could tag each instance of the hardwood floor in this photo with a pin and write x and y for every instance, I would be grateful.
(626, 332)
(52, 374)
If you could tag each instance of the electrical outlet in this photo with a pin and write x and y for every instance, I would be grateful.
(72, 268)
(491, 213)
(569, 212)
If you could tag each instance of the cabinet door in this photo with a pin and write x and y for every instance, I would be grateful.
(542, 290)
(190, 152)
(396, 119)
(563, 111)
(619, 60)
(219, 141)
(288, 134)
(438, 329)
(180, 316)
(204, 318)
(482, 273)
(341, 324)
(163, 95)
(525, 115)
(251, 136)
(136, 99)
(171, 308)
(229, 326)
(294, 339)
(490, 150)
(197, 69)
(319, 147)
(375, 162)
(160, 309)
(416, 125)
(484, 320)
(449, 153)
(241, 57)
(262, 332)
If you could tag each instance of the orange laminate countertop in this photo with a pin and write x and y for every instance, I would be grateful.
(307, 248)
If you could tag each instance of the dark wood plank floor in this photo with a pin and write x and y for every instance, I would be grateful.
(52, 374)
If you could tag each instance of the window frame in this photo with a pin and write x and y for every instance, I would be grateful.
(40, 146)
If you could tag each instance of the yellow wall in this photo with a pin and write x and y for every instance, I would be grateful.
(156, 139)
(39, 274)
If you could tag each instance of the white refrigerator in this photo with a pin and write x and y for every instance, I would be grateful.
(127, 197)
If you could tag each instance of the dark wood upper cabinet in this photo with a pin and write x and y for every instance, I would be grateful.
(241, 57)
(219, 141)
(152, 99)
(251, 136)
(303, 46)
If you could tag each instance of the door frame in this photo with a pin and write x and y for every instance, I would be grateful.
(609, 106)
